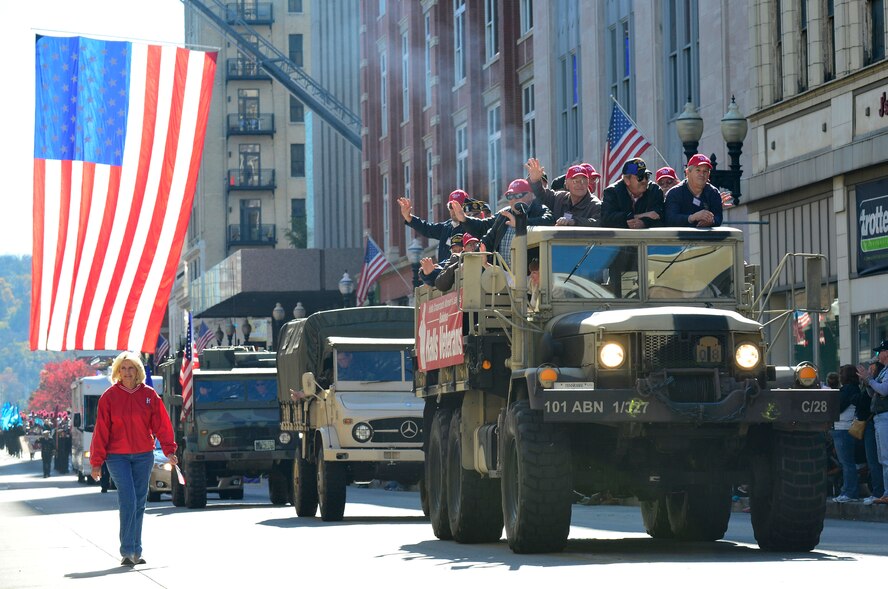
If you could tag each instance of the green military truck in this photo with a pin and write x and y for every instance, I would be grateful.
(345, 381)
(233, 429)
(613, 361)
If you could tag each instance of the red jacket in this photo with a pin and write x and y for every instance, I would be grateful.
(127, 423)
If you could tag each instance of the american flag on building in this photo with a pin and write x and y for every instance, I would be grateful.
(624, 142)
(204, 337)
(186, 373)
(374, 265)
(118, 138)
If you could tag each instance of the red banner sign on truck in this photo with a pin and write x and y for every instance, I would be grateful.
(439, 333)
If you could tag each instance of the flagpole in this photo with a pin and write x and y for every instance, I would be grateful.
(631, 120)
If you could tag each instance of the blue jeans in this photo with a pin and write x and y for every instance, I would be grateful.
(131, 473)
(844, 444)
(877, 481)
(881, 423)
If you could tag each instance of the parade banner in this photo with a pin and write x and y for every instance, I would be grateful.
(439, 333)
(872, 227)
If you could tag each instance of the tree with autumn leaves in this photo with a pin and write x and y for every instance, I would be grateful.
(54, 392)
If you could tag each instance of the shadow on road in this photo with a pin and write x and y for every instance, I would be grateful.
(316, 522)
(118, 570)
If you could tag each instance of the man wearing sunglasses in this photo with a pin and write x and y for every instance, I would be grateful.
(633, 201)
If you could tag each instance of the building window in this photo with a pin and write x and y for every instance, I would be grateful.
(407, 181)
(381, 8)
(829, 38)
(383, 95)
(249, 164)
(569, 108)
(620, 63)
(251, 220)
(295, 49)
(430, 204)
(777, 69)
(871, 329)
(526, 16)
(874, 45)
(297, 110)
(491, 29)
(427, 60)
(803, 46)
(294, 5)
(298, 233)
(494, 151)
(459, 41)
(386, 212)
(248, 108)
(405, 77)
(462, 157)
(297, 160)
(528, 120)
(682, 56)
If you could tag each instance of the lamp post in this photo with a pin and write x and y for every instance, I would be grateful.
(346, 288)
(229, 331)
(277, 316)
(733, 127)
(414, 254)
(298, 311)
(219, 335)
(247, 329)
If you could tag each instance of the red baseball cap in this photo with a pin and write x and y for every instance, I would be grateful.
(518, 186)
(459, 196)
(578, 170)
(666, 172)
(699, 160)
(468, 238)
(590, 169)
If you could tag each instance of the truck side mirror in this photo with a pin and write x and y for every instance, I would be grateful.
(76, 421)
(813, 280)
(309, 384)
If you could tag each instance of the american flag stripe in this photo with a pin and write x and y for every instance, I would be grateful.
(106, 273)
(186, 372)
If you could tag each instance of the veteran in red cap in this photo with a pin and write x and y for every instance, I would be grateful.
(442, 230)
(577, 205)
(694, 202)
(666, 179)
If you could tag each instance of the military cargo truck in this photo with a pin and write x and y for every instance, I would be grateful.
(233, 428)
(628, 362)
(345, 382)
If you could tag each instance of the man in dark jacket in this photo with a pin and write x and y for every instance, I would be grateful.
(633, 201)
(440, 231)
(47, 449)
(575, 206)
(694, 202)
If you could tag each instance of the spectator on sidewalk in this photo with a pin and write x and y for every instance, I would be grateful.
(865, 413)
(879, 387)
(842, 440)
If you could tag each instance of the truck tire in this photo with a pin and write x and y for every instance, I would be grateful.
(331, 488)
(536, 482)
(278, 491)
(474, 507)
(196, 485)
(305, 487)
(700, 513)
(436, 474)
(656, 519)
(787, 498)
(423, 497)
(153, 496)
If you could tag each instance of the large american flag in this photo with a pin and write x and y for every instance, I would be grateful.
(186, 372)
(374, 265)
(624, 141)
(118, 138)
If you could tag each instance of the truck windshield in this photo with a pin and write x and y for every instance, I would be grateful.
(690, 271)
(372, 366)
(595, 271)
(90, 411)
(258, 417)
(234, 390)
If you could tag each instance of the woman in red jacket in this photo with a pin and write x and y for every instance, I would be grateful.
(130, 416)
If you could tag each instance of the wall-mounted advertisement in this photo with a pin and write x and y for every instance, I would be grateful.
(872, 227)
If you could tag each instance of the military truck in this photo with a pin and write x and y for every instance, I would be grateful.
(233, 428)
(614, 361)
(345, 383)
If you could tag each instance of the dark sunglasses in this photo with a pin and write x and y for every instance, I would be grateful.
(515, 195)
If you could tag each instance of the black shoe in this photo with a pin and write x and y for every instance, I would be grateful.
(104, 490)
(127, 561)
(140, 560)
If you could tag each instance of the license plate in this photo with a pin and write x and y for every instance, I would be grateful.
(263, 445)
(567, 386)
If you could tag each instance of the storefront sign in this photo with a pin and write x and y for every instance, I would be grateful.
(872, 227)
(439, 333)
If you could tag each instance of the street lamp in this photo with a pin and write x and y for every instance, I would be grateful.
(219, 335)
(277, 316)
(247, 329)
(299, 311)
(690, 128)
(414, 254)
(346, 288)
(229, 331)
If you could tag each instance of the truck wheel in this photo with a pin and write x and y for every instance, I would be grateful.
(656, 519)
(424, 497)
(177, 491)
(153, 496)
(331, 488)
(278, 492)
(436, 474)
(536, 483)
(787, 499)
(700, 514)
(305, 487)
(473, 503)
(196, 485)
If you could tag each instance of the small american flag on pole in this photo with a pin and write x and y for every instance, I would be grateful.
(374, 265)
(185, 373)
(162, 348)
(204, 337)
(118, 137)
(624, 141)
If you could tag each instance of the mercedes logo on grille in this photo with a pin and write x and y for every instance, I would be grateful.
(409, 429)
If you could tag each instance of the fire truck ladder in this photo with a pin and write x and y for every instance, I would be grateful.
(281, 68)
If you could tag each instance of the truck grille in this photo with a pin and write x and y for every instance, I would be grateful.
(242, 438)
(397, 429)
(693, 388)
(672, 351)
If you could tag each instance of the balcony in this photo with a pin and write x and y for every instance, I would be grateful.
(253, 13)
(239, 124)
(245, 69)
(247, 179)
(242, 235)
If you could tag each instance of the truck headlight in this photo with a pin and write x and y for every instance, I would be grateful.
(362, 432)
(746, 356)
(284, 438)
(215, 439)
(611, 355)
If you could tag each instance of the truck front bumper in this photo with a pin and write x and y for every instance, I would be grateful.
(373, 454)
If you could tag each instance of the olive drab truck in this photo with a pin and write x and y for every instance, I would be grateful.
(345, 381)
(630, 362)
(232, 430)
